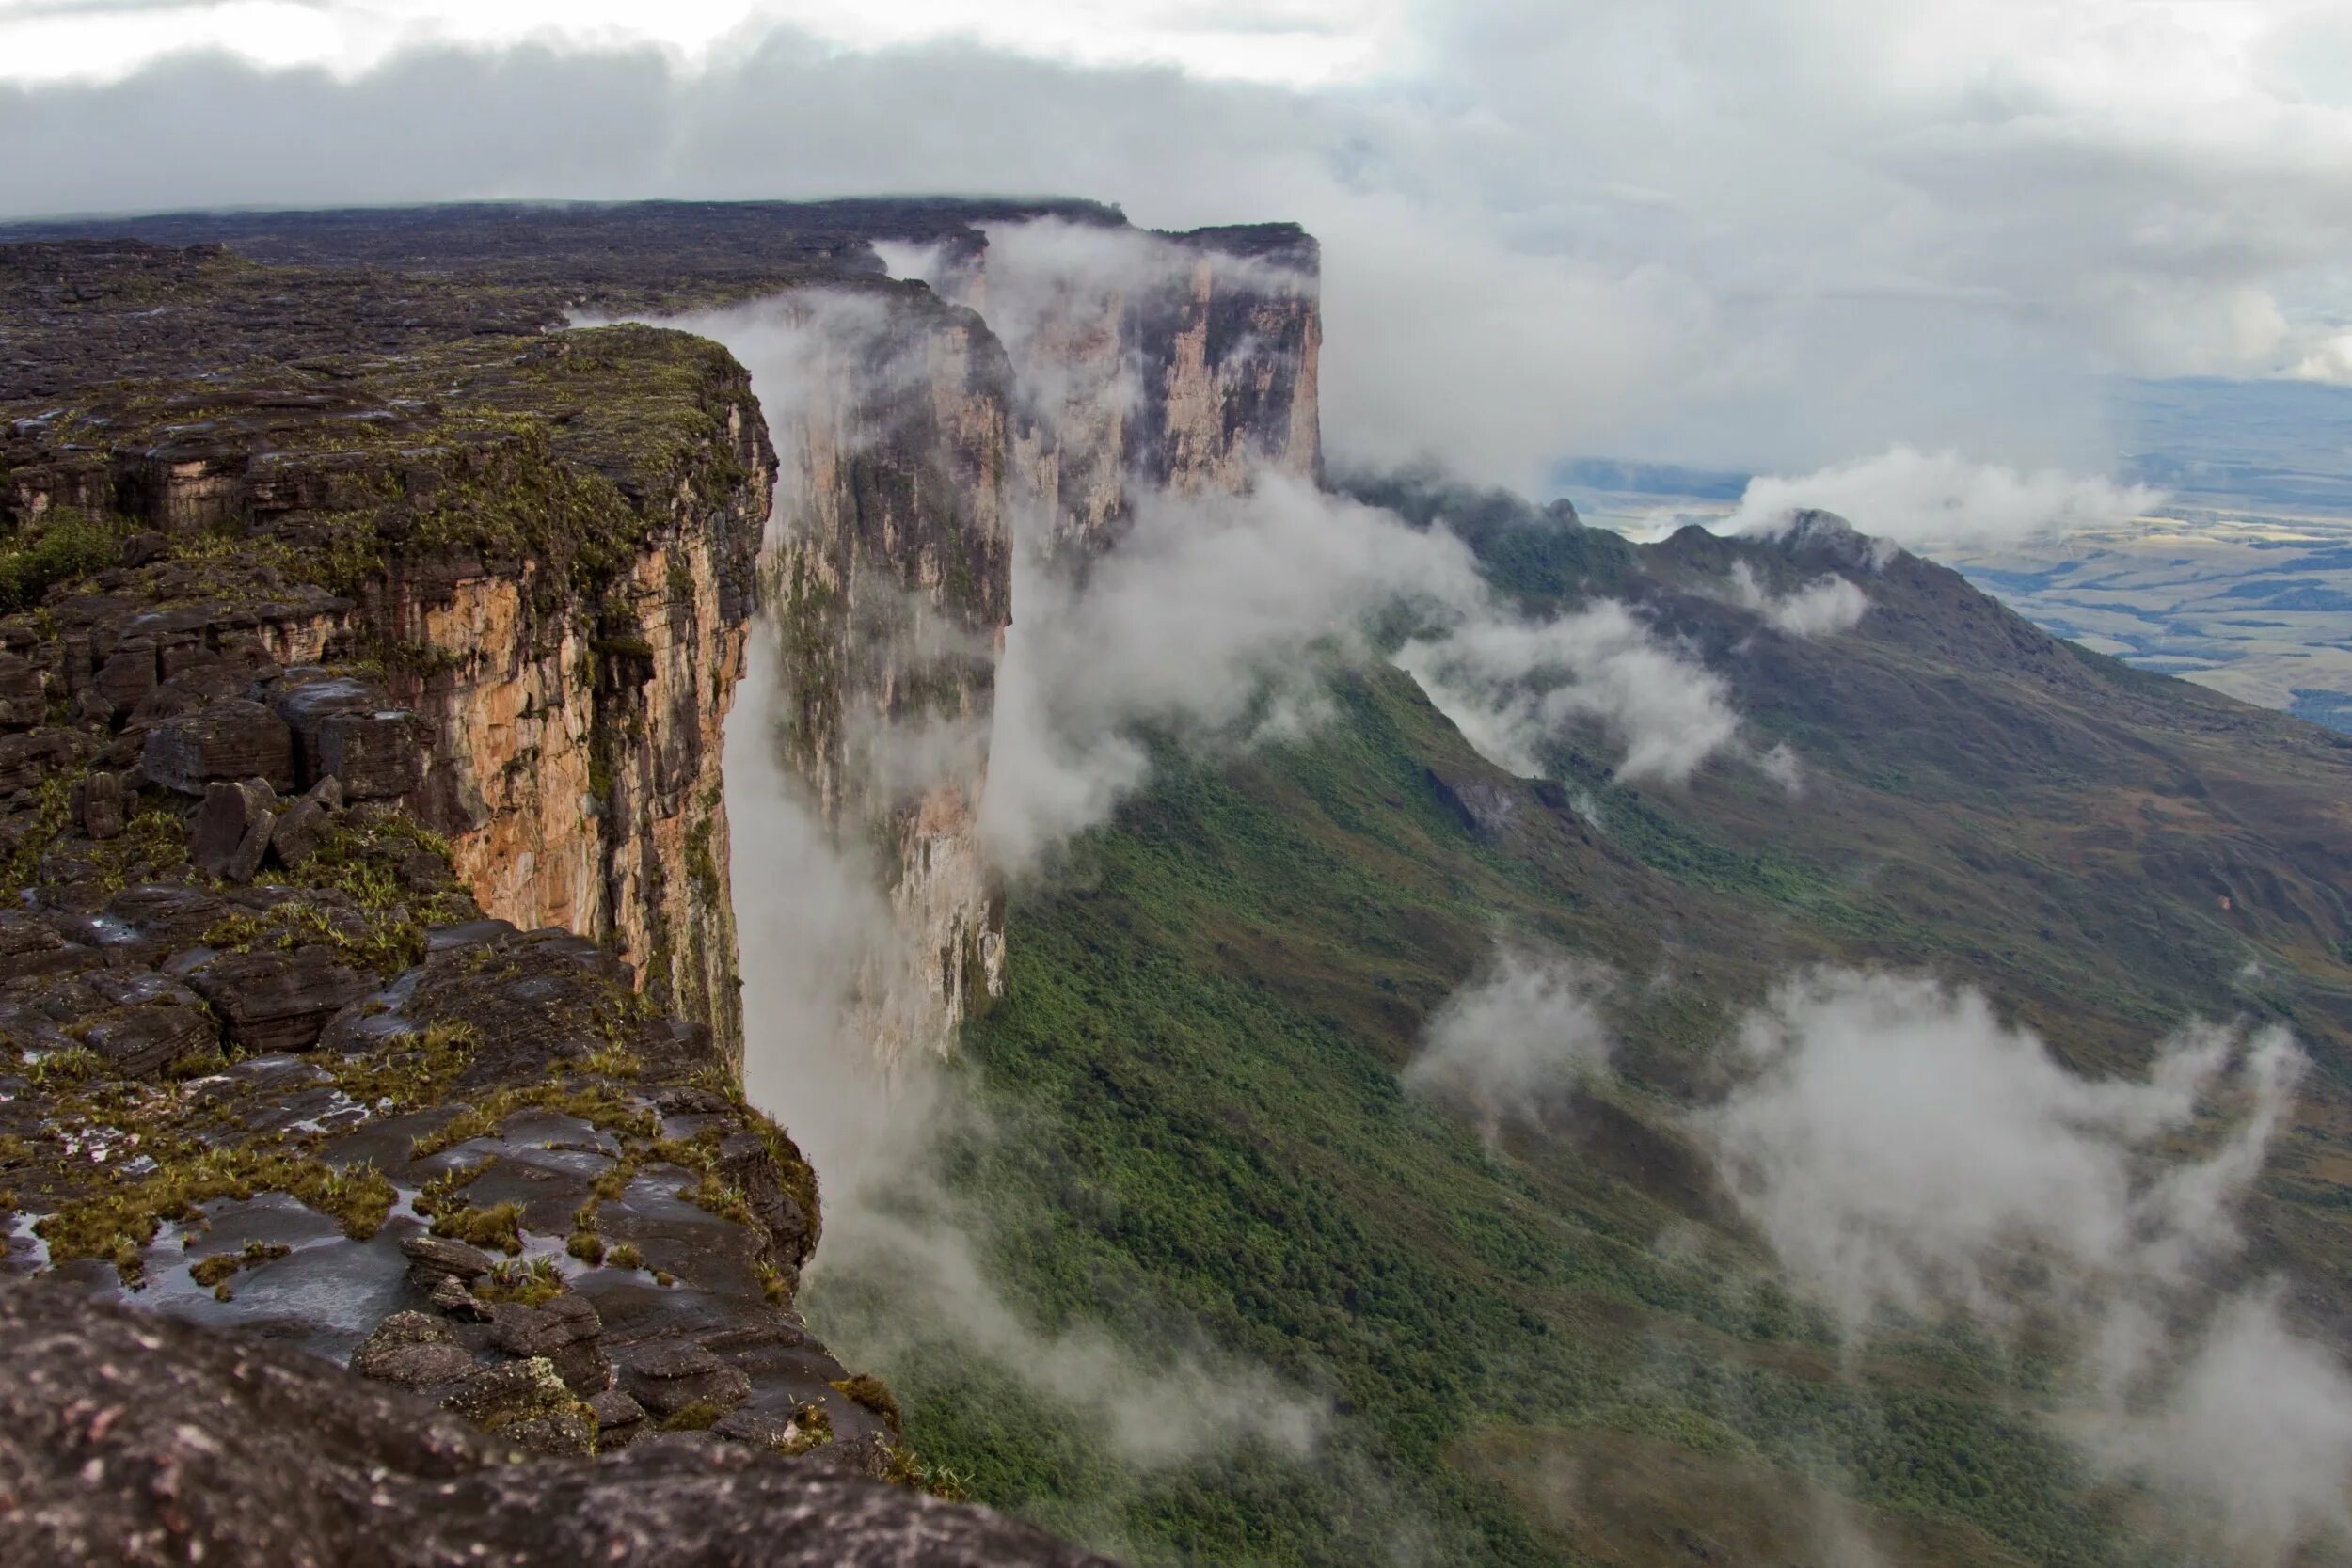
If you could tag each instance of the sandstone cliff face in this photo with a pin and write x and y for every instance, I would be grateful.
(1184, 362)
(263, 1060)
(890, 578)
(576, 763)
(551, 647)
(917, 441)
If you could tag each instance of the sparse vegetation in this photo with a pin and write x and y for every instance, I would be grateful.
(54, 547)
(497, 1225)
(532, 1284)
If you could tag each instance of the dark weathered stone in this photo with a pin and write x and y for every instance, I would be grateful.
(349, 729)
(278, 1000)
(296, 837)
(522, 1330)
(378, 754)
(666, 1380)
(746, 1164)
(158, 1022)
(169, 913)
(23, 936)
(23, 703)
(526, 1404)
(451, 1299)
(232, 830)
(584, 1367)
(615, 1410)
(436, 1258)
(413, 1350)
(128, 675)
(1484, 807)
(91, 709)
(101, 804)
(26, 759)
(228, 739)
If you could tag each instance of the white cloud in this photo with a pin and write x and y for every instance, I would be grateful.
(1510, 1041)
(1300, 42)
(1514, 685)
(2329, 359)
(1220, 619)
(1899, 1143)
(2255, 1435)
(1823, 608)
(1901, 1149)
(1213, 616)
(1922, 499)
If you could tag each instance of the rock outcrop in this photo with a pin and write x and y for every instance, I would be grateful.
(315, 662)
(1146, 361)
(367, 639)
(127, 1439)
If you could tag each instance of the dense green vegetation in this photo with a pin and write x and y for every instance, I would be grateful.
(1201, 1141)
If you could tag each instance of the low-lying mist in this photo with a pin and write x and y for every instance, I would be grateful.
(1911, 1161)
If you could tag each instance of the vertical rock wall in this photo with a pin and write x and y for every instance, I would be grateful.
(890, 583)
(913, 442)
(575, 769)
(1184, 362)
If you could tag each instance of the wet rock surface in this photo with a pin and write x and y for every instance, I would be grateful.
(130, 1438)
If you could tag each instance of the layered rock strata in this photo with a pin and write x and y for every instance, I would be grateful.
(891, 580)
(504, 581)
(1186, 362)
(915, 440)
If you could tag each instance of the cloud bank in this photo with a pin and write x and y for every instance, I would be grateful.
(1514, 687)
(1218, 621)
(1905, 1152)
(1516, 1038)
(1823, 608)
(1929, 499)
(1752, 235)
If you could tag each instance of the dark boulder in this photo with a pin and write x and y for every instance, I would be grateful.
(278, 1000)
(227, 738)
(23, 703)
(128, 675)
(350, 730)
(102, 804)
(27, 759)
(668, 1379)
(412, 1350)
(232, 830)
(434, 1258)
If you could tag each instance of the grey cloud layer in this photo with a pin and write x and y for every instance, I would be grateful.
(1765, 235)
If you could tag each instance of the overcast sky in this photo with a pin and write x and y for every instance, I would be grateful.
(1770, 236)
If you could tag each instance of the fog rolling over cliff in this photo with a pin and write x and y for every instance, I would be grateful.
(922, 448)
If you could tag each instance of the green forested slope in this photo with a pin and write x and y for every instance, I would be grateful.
(1564, 1348)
